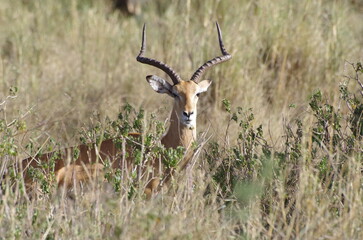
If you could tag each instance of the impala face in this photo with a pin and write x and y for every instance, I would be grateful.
(185, 94)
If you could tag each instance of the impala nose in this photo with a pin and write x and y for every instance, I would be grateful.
(187, 114)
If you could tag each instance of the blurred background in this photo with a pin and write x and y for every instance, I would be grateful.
(72, 59)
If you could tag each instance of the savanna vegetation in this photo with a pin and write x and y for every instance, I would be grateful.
(279, 151)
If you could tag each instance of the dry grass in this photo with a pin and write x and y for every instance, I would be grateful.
(74, 59)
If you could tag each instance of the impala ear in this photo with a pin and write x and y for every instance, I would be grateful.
(159, 85)
(204, 85)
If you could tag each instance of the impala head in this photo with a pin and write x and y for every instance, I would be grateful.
(185, 93)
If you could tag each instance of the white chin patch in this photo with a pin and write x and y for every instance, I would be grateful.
(189, 125)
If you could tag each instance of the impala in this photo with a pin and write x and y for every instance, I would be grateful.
(181, 131)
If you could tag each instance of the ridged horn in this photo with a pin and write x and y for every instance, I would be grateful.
(225, 57)
(168, 70)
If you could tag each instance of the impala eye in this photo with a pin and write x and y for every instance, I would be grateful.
(197, 94)
(174, 94)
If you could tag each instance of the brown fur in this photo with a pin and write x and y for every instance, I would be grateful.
(88, 165)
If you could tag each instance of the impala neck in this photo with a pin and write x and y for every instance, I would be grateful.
(178, 134)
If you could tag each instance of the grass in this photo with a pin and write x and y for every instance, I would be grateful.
(67, 65)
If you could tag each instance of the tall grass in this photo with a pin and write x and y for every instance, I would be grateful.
(71, 63)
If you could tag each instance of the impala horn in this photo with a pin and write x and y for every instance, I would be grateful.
(225, 57)
(168, 70)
